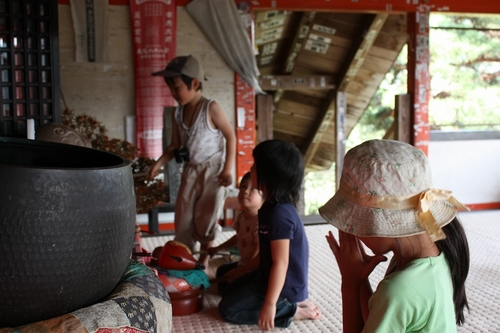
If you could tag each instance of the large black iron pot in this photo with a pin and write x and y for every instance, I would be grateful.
(67, 218)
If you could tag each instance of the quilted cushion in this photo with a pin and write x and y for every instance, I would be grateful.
(139, 303)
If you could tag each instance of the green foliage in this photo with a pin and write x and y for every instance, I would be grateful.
(465, 69)
(322, 184)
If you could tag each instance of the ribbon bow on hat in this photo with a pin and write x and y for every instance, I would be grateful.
(425, 216)
(421, 202)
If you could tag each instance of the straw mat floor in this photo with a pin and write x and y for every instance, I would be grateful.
(483, 289)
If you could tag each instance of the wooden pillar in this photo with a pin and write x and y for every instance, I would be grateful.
(403, 116)
(341, 134)
(418, 75)
(264, 117)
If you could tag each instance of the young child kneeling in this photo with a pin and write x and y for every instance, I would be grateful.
(246, 238)
(276, 293)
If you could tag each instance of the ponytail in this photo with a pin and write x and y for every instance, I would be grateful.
(456, 250)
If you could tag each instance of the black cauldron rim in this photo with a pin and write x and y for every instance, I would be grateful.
(75, 157)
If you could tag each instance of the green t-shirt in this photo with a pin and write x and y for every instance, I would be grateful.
(417, 298)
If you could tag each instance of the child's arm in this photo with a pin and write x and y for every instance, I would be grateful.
(168, 154)
(235, 273)
(280, 251)
(221, 122)
(233, 241)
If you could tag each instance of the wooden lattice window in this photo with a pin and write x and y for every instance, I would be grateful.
(29, 65)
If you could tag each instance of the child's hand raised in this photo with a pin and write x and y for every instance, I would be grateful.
(354, 264)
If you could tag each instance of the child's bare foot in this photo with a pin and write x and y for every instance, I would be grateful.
(307, 310)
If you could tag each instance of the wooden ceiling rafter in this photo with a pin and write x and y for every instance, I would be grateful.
(296, 45)
(300, 37)
(372, 31)
(326, 114)
(296, 82)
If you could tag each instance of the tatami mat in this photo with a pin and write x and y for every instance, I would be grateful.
(483, 289)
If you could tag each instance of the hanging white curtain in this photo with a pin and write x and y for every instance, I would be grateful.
(221, 23)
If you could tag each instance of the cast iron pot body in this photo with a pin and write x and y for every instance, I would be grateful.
(67, 222)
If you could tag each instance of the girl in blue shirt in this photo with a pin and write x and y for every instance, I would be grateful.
(277, 292)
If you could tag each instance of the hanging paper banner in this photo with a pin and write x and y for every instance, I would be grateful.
(90, 22)
(153, 32)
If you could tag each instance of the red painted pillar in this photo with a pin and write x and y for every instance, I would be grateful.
(418, 75)
(245, 107)
(245, 126)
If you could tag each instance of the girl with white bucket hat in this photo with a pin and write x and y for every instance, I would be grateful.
(386, 202)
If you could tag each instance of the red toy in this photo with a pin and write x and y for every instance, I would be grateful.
(176, 255)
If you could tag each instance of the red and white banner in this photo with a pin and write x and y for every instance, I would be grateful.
(153, 32)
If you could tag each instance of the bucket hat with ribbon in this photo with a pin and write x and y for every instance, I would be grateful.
(386, 191)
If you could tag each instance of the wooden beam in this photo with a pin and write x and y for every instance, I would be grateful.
(446, 6)
(443, 6)
(372, 30)
(325, 116)
(391, 132)
(296, 82)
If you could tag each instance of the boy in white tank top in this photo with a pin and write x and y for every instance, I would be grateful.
(204, 139)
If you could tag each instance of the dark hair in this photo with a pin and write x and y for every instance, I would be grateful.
(456, 250)
(246, 176)
(280, 170)
(170, 80)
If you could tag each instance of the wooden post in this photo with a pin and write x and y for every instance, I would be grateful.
(341, 134)
(403, 117)
(418, 75)
(264, 117)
